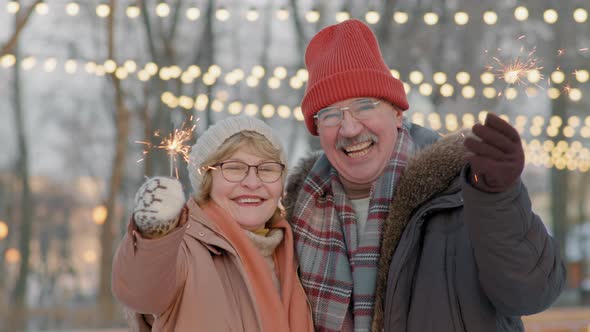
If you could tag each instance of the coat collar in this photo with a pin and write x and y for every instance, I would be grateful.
(204, 230)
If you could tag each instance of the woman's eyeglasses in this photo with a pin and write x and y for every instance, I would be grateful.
(236, 171)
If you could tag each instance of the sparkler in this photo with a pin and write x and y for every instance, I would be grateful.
(517, 71)
(175, 144)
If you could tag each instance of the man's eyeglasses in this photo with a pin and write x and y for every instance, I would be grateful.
(360, 109)
(236, 171)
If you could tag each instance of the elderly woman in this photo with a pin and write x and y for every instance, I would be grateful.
(223, 261)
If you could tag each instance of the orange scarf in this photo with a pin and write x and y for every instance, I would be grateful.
(288, 312)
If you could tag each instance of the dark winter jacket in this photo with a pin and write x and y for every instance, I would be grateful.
(454, 258)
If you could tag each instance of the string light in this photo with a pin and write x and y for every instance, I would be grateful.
(103, 10)
(252, 15)
(12, 7)
(3, 230)
(162, 9)
(580, 15)
(521, 13)
(400, 17)
(50, 64)
(283, 14)
(222, 14)
(42, 8)
(430, 18)
(550, 16)
(193, 13)
(72, 8)
(298, 77)
(372, 17)
(416, 77)
(133, 11)
(461, 18)
(12, 255)
(490, 17)
(99, 214)
(342, 15)
(312, 16)
(439, 78)
(582, 75)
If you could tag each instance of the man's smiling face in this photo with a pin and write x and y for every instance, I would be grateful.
(361, 149)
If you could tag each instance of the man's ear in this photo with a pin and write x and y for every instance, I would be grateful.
(399, 116)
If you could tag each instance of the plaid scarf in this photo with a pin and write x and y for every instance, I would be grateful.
(336, 266)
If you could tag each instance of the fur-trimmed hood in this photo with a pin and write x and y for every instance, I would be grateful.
(428, 174)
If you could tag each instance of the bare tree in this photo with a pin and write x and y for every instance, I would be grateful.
(21, 22)
(107, 236)
(26, 201)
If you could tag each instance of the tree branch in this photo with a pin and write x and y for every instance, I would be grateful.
(22, 22)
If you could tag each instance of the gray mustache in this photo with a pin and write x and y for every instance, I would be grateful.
(346, 141)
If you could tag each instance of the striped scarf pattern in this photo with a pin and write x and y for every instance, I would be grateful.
(338, 270)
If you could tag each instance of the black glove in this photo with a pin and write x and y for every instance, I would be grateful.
(498, 158)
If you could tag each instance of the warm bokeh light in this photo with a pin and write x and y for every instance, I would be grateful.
(463, 77)
(557, 77)
(372, 17)
(193, 13)
(425, 89)
(283, 14)
(72, 8)
(90, 256)
(580, 15)
(400, 17)
(12, 7)
(582, 75)
(416, 77)
(99, 214)
(431, 18)
(490, 17)
(42, 8)
(447, 90)
(12, 255)
(550, 16)
(103, 10)
(3, 230)
(487, 78)
(132, 11)
(162, 9)
(521, 13)
(222, 14)
(342, 16)
(461, 18)
(312, 16)
(252, 15)
(439, 78)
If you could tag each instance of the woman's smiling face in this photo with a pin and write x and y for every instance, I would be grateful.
(251, 202)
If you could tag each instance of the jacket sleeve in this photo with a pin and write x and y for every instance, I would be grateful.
(148, 273)
(519, 265)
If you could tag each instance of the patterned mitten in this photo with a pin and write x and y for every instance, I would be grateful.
(158, 203)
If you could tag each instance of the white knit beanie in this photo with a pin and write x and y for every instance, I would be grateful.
(214, 136)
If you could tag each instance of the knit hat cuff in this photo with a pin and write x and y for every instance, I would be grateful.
(351, 84)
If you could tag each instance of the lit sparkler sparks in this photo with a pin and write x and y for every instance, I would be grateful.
(174, 143)
(516, 71)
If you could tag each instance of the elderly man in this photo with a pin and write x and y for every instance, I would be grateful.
(397, 230)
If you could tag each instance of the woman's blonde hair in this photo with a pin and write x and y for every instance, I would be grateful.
(254, 141)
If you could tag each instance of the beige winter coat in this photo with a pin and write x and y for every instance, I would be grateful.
(190, 278)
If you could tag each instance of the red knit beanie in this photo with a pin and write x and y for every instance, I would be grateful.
(344, 61)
